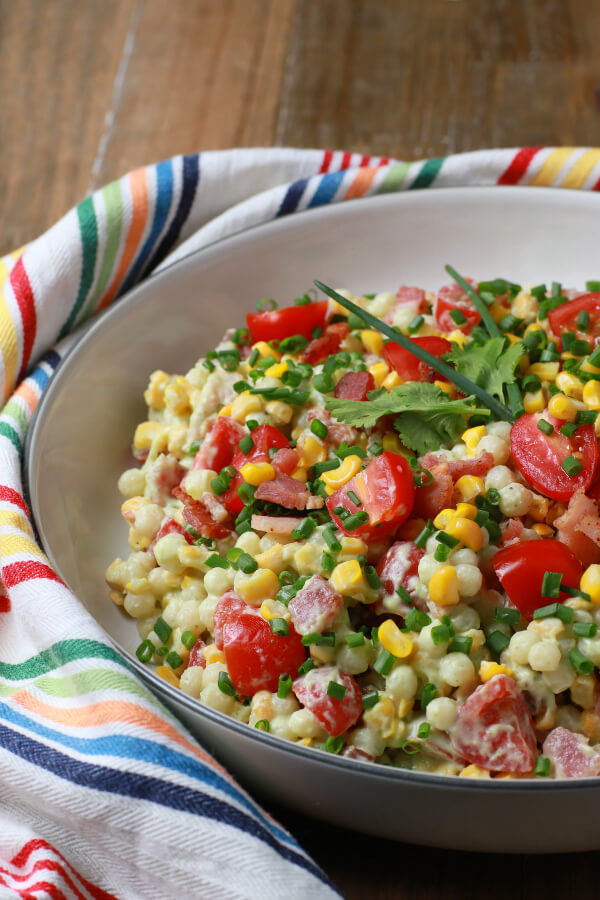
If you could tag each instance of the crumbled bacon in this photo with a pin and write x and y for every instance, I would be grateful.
(283, 525)
(579, 528)
(286, 491)
(285, 460)
(407, 296)
(336, 431)
(476, 465)
(196, 514)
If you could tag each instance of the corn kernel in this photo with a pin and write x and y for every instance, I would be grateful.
(306, 742)
(273, 609)
(256, 587)
(348, 468)
(569, 385)
(468, 532)
(391, 380)
(513, 338)
(177, 396)
(472, 436)
(353, 545)
(590, 725)
(391, 442)
(539, 508)
(347, 577)
(225, 410)
(498, 312)
(444, 386)
(212, 654)
(534, 401)
(468, 487)
(372, 341)
(154, 395)
(280, 412)
(130, 507)
(547, 371)
(167, 674)
(379, 371)
(488, 669)
(562, 408)
(458, 336)
(277, 370)
(257, 473)
(264, 350)
(443, 587)
(193, 557)
(149, 433)
(404, 707)
(543, 530)
(474, 771)
(245, 404)
(394, 641)
(311, 452)
(466, 510)
(590, 582)
(444, 518)
(591, 394)
(586, 366)
(300, 474)
(272, 559)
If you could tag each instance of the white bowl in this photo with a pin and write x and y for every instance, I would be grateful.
(80, 440)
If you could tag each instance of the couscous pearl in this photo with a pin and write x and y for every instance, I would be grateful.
(496, 446)
(520, 644)
(402, 683)
(498, 477)
(457, 670)
(515, 500)
(441, 713)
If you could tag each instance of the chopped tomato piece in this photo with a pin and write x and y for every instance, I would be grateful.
(407, 296)
(255, 656)
(265, 438)
(354, 386)
(326, 345)
(219, 445)
(564, 317)
(571, 754)
(315, 607)
(278, 324)
(399, 567)
(494, 729)
(336, 716)
(433, 498)
(197, 657)
(408, 366)
(170, 526)
(286, 461)
(386, 492)
(539, 456)
(521, 568)
(450, 298)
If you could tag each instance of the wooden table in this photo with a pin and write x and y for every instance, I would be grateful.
(93, 88)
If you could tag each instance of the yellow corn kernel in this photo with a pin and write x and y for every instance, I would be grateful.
(264, 350)
(469, 486)
(300, 474)
(347, 577)
(273, 609)
(466, 510)
(394, 641)
(130, 507)
(468, 532)
(256, 587)
(444, 386)
(591, 394)
(547, 371)
(404, 707)
(193, 557)
(154, 395)
(311, 452)
(569, 385)
(177, 440)
(245, 404)
(352, 545)
(392, 443)
(391, 380)
(539, 508)
(277, 370)
(257, 473)
(513, 338)
(372, 341)
(212, 654)
(498, 312)
(167, 673)
(149, 433)
(543, 530)
(379, 371)
(586, 366)
(305, 742)
(137, 585)
(590, 725)
(549, 628)
(444, 518)
(472, 436)
(443, 587)
(488, 669)
(534, 401)
(474, 771)
(534, 326)
(590, 582)
(225, 410)
(272, 559)
(280, 412)
(177, 396)
(347, 469)
(561, 407)
(458, 336)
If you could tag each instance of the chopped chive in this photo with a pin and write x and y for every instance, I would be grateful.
(334, 744)
(267, 304)
(575, 592)
(497, 641)
(586, 416)
(542, 766)
(284, 685)
(580, 662)
(564, 613)
(336, 690)
(551, 584)
(545, 426)
(447, 539)
(568, 429)
(572, 466)
(162, 630)
(331, 540)
(351, 523)
(410, 747)
(580, 347)
(509, 322)
(304, 529)
(193, 448)
(306, 666)
(326, 466)
(594, 357)
(174, 660)
(188, 639)
(279, 627)
(428, 693)
(246, 444)
(592, 286)
(370, 699)
(416, 620)
(423, 731)
(145, 651)
(319, 428)
(323, 383)
(425, 534)
(372, 577)
(441, 553)
(247, 564)
(440, 634)
(585, 629)
(507, 615)
(404, 595)
(357, 639)
(461, 644)
(354, 498)
(315, 637)
(246, 493)
(539, 291)
(458, 317)
(216, 562)
(162, 651)
(327, 562)
(345, 450)
(415, 324)
(384, 662)
(252, 424)
(262, 725)
(375, 449)
(225, 684)
(531, 383)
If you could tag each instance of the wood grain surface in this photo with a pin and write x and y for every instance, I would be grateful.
(93, 88)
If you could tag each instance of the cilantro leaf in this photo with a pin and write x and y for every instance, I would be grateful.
(426, 417)
(489, 365)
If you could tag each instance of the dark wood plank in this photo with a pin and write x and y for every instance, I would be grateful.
(58, 63)
(208, 78)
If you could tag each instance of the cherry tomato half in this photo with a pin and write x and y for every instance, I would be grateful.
(539, 456)
(278, 324)
(450, 298)
(219, 445)
(410, 367)
(521, 568)
(564, 318)
(387, 494)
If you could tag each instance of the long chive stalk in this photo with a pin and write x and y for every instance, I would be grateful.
(514, 394)
(461, 381)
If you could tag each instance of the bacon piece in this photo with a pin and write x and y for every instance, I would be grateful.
(324, 346)
(407, 296)
(337, 431)
(579, 528)
(352, 752)
(476, 465)
(162, 476)
(431, 499)
(283, 525)
(315, 607)
(571, 755)
(511, 532)
(286, 491)
(285, 460)
(354, 386)
(199, 517)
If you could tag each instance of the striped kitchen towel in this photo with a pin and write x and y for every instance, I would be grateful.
(104, 794)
